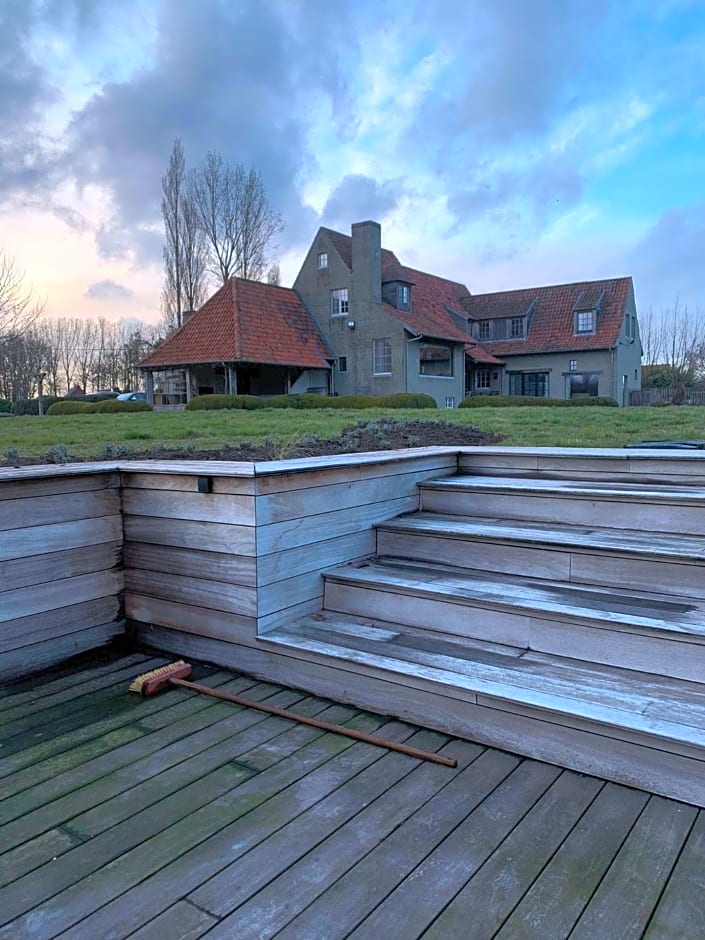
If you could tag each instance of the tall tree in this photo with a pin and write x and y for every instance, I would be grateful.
(18, 308)
(195, 254)
(236, 216)
(173, 184)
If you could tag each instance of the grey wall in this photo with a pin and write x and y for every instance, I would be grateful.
(439, 387)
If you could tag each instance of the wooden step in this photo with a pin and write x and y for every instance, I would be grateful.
(636, 728)
(653, 508)
(576, 554)
(630, 629)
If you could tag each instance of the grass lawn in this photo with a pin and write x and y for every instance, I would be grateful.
(99, 435)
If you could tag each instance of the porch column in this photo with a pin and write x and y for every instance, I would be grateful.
(187, 372)
(149, 387)
(232, 380)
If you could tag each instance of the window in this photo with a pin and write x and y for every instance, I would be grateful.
(402, 295)
(585, 321)
(516, 327)
(573, 365)
(435, 359)
(483, 378)
(483, 329)
(584, 384)
(534, 384)
(322, 260)
(450, 401)
(343, 364)
(339, 306)
(381, 357)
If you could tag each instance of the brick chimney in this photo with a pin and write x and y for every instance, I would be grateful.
(367, 262)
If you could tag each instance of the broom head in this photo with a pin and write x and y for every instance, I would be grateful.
(149, 683)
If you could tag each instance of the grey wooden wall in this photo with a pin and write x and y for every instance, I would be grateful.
(60, 565)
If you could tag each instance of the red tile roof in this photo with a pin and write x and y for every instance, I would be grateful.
(433, 302)
(552, 326)
(246, 321)
(480, 355)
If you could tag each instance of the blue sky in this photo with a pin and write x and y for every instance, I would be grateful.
(504, 144)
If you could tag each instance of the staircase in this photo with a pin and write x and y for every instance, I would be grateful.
(561, 618)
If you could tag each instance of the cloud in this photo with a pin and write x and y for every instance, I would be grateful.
(359, 197)
(668, 261)
(107, 290)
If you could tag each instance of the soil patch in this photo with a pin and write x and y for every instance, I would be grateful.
(385, 434)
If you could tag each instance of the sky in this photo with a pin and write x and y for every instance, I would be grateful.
(500, 143)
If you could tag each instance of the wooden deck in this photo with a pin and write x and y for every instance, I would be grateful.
(180, 816)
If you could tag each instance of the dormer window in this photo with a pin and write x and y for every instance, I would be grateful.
(403, 295)
(322, 260)
(584, 322)
(483, 329)
(516, 327)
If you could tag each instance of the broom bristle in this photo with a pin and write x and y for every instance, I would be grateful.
(180, 669)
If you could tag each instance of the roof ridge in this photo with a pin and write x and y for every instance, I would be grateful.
(540, 287)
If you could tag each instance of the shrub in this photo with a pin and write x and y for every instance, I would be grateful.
(531, 401)
(69, 408)
(406, 400)
(353, 402)
(218, 402)
(30, 406)
(57, 453)
(5, 406)
(113, 406)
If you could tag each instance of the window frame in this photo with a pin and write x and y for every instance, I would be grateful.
(486, 382)
(339, 302)
(484, 326)
(381, 358)
(583, 317)
(342, 364)
(517, 329)
(322, 261)
(451, 360)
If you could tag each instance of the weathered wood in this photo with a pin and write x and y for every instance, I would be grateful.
(187, 482)
(192, 562)
(55, 566)
(183, 920)
(559, 895)
(58, 485)
(199, 507)
(28, 659)
(36, 540)
(57, 622)
(626, 897)
(158, 612)
(493, 891)
(54, 594)
(189, 534)
(48, 510)
(317, 555)
(680, 909)
(196, 592)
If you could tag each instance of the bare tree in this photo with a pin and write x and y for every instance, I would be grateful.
(673, 340)
(274, 275)
(173, 183)
(18, 308)
(195, 254)
(236, 216)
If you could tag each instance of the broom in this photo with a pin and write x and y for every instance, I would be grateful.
(176, 674)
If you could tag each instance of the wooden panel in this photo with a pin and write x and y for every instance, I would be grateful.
(182, 533)
(48, 510)
(435, 466)
(36, 540)
(201, 507)
(43, 597)
(305, 503)
(61, 484)
(55, 566)
(190, 562)
(230, 627)
(677, 578)
(281, 595)
(56, 622)
(18, 662)
(298, 532)
(680, 909)
(316, 556)
(188, 482)
(196, 592)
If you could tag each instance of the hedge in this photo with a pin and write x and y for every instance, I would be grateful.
(218, 402)
(30, 406)
(107, 406)
(5, 406)
(533, 401)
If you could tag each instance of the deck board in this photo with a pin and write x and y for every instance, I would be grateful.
(184, 817)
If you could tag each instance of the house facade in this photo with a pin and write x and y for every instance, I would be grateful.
(357, 321)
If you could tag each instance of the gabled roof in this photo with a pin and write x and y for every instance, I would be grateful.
(553, 324)
(246, 321)
(479, 354)
(433, 302)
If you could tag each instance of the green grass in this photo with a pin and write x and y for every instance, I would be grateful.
(88, 435)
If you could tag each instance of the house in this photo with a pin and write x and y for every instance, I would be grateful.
(358, 321)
